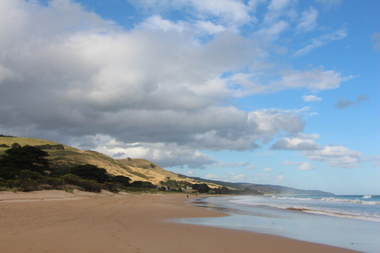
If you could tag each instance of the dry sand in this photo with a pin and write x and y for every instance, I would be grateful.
(57, 221)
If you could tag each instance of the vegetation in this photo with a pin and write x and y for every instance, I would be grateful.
(27, 168)
(28, 164)
(20, 158)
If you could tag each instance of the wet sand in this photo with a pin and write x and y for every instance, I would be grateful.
(57, 221)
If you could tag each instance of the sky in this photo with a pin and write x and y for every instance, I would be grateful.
(279, 92)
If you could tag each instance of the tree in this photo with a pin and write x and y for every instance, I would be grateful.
(121, 180)
(143, 184)
(201, 188)
(20, 158)
(90, 172)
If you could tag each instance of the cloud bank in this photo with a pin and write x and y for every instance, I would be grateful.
(159, 90)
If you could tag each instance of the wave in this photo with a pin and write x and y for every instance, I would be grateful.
(354, 207)
(367, 196)
(291, 198)
(354, 201)
(336, 214)
(317, 210)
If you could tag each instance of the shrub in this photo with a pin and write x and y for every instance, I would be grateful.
(87, 185)
(121, 180)
(111, 187)
(90, 185)
(71, 179)
(90, 172)
(143, 184)
(14, 183)
(55, 183)
(24, 174)
(28, 185)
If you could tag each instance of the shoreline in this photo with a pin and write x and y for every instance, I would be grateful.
(58, 221)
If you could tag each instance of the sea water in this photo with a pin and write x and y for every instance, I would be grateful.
(361, 207)
(347, 221)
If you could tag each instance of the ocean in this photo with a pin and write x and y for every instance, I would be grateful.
(346, 221)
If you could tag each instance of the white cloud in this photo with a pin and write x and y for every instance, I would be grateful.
(229, 177)
(273, 31)
(321, 41)
(234, 13)
(189, 173)
(336, 156)
(311, 98)
(268, 169)
(231, 165)
(315, 79)
(157, 22)
(270, 121)
(296, 144)
(308, 136)
(209, 27)
(153, 91)
(301, 165)
(167, 155)
(277, 5)
(308, 20)
(305, 166)
(231, 14)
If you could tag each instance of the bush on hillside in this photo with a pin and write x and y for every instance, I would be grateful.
(122, 180)
(90, 172)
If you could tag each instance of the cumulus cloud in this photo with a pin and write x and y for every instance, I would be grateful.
(165, 154)
(156, 91)
(296, 144)
(311, 98)
(268, 169)
(336, 156)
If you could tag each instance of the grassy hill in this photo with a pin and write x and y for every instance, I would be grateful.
(135, 168)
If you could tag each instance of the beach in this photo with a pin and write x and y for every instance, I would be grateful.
(58, 221)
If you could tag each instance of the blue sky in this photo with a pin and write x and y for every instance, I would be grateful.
(262, 91)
